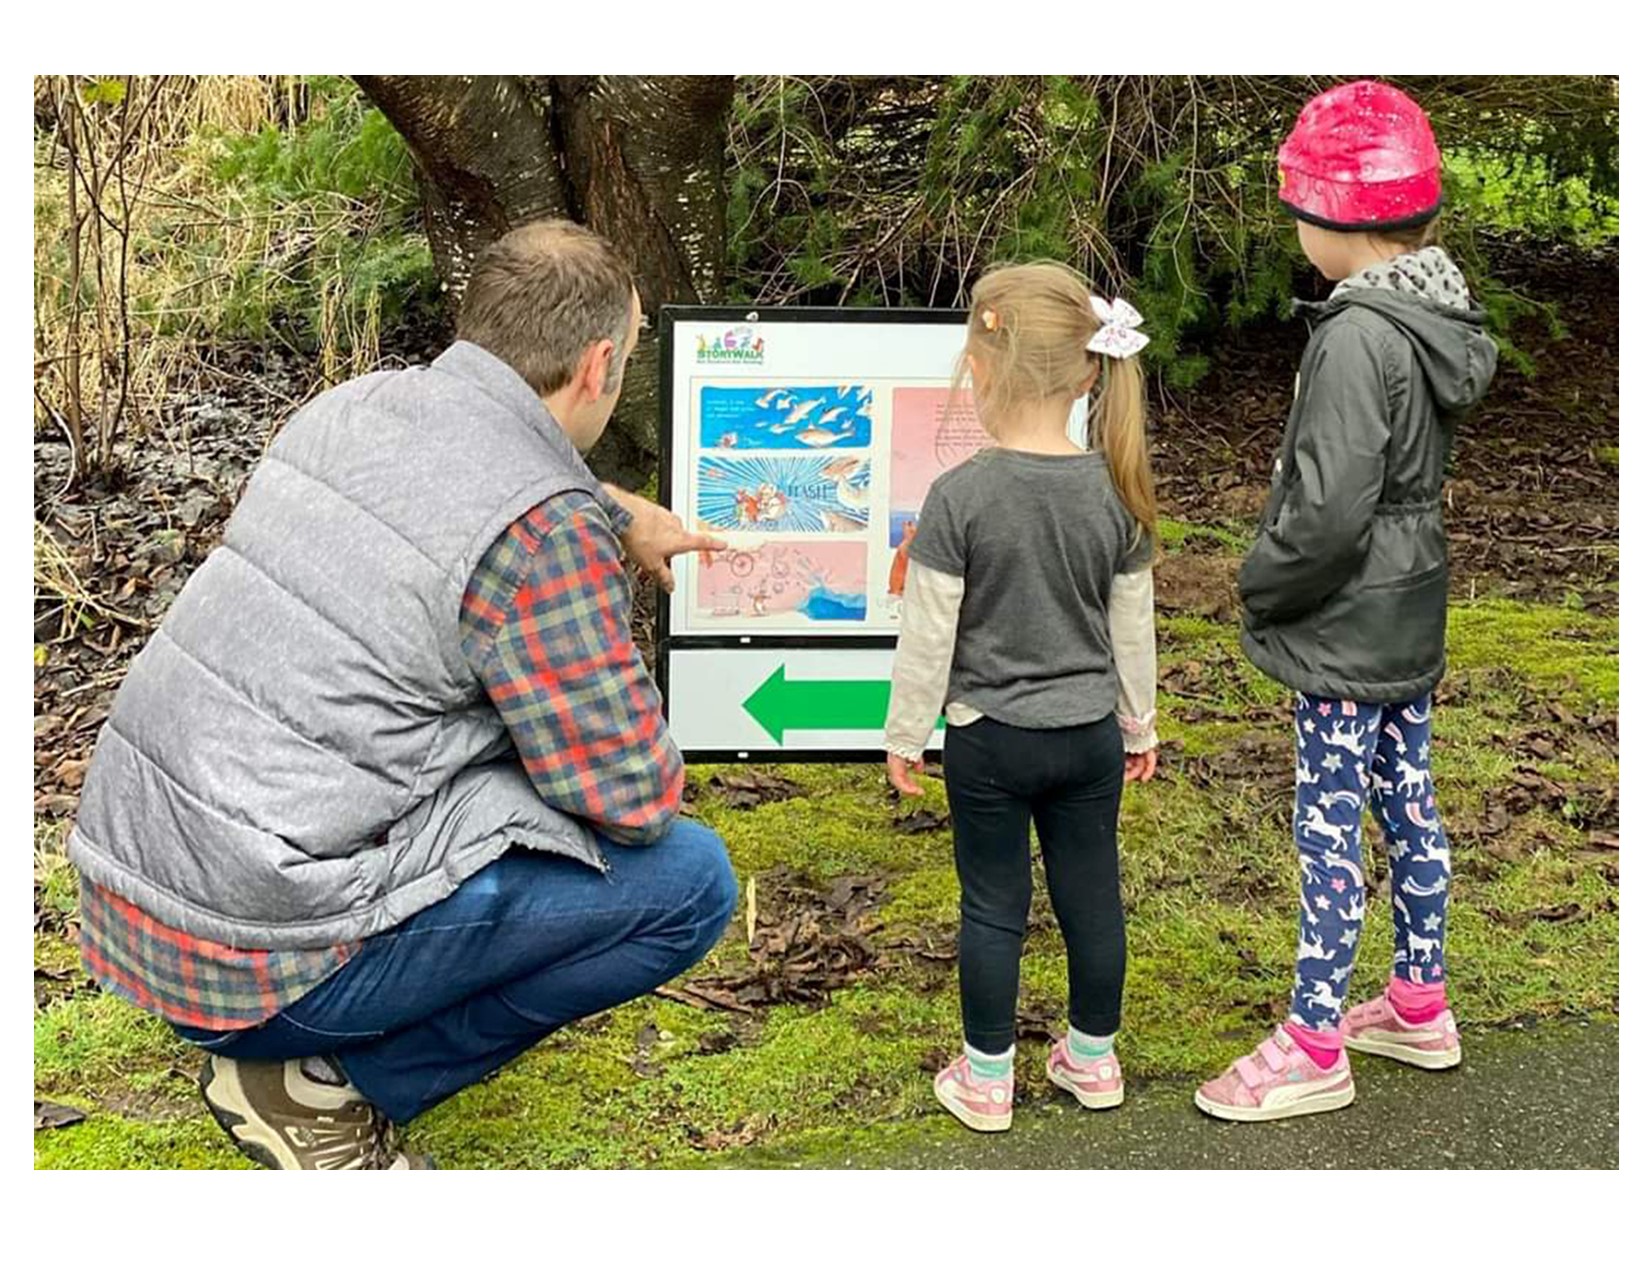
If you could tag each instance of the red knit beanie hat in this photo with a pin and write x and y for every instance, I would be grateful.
(1361, 157)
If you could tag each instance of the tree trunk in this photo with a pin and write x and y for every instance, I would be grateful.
(639, 159)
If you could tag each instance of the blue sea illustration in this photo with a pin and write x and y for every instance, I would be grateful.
(784, 493)
(822, 604)
(785, 418)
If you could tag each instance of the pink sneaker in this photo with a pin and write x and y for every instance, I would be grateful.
(1376, 1028)
(1096, 1087)
(986, 1106)
(1278, 1080)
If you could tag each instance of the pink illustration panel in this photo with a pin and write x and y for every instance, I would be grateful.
(803, 579)
(934, 430)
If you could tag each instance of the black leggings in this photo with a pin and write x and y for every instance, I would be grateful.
(999, 779)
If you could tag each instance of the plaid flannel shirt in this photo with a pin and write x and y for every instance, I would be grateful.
(546, 627)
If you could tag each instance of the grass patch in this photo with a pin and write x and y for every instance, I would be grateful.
(1174, 535)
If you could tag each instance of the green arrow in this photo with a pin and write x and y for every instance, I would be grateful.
(779, 705)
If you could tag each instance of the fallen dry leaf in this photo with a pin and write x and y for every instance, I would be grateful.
(52, 1115)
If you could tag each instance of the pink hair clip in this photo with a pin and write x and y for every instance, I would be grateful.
(988, 320)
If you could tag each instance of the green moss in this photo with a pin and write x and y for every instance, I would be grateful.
(1550, 649)
(862, 1059)
(117, 1142)
(924, 898)
(91, 1043)
(589, 1100)
(838, 1148)
(53, 951)
(843, 825)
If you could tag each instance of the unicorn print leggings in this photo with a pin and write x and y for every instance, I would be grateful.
(1346, 753)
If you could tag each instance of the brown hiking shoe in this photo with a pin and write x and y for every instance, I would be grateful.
(300, 1114)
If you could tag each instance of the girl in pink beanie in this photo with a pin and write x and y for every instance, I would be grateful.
(1345, 588)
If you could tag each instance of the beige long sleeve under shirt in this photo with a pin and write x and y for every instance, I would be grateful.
(928, 633)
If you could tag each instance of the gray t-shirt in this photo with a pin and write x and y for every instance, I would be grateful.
(1037, 540)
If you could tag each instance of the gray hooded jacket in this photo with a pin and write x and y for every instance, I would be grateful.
(301, 754)
(1344, 591)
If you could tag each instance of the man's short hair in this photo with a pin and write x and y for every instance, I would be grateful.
(541, 295)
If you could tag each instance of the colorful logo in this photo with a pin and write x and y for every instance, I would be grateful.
(736, 345)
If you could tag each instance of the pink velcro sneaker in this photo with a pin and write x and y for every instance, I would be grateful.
(1376, 1028)
(1275, 1082)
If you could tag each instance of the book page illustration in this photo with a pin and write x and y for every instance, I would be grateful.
(784, 418)
(782, 580)
(785, 493)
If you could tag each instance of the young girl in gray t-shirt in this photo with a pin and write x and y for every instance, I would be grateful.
(1027, 615)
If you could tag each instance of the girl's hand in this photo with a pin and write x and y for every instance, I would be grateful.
(899, 774)
(1139, 767)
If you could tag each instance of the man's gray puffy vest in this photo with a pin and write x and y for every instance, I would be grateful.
(301, 754)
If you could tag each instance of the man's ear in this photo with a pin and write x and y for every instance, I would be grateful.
(593, 368)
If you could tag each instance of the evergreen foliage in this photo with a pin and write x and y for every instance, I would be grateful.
(899, 190)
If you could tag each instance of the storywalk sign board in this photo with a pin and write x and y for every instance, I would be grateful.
(806, 439)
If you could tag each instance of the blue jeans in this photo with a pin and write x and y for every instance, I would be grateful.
(530, 943)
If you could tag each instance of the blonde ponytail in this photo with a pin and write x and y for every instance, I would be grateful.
(1035, 328)
(1117, 427)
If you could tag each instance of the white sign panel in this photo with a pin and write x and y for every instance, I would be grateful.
(753, 700)
(807, 439)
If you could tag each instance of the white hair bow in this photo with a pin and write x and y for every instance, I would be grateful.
(1119, 334)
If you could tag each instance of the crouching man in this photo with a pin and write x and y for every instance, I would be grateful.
(388, 798)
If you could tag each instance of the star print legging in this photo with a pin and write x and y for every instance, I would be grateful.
(1346, 753)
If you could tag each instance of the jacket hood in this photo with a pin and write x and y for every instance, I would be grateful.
(1454, 352)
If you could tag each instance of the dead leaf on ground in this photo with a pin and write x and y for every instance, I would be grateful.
(748, 789)
(52, 1115)
(717, 1042)
(806, 942)
(742, 1134)
(1032, 1025)
(702, 998)
(935, 1060)
(917, 821)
